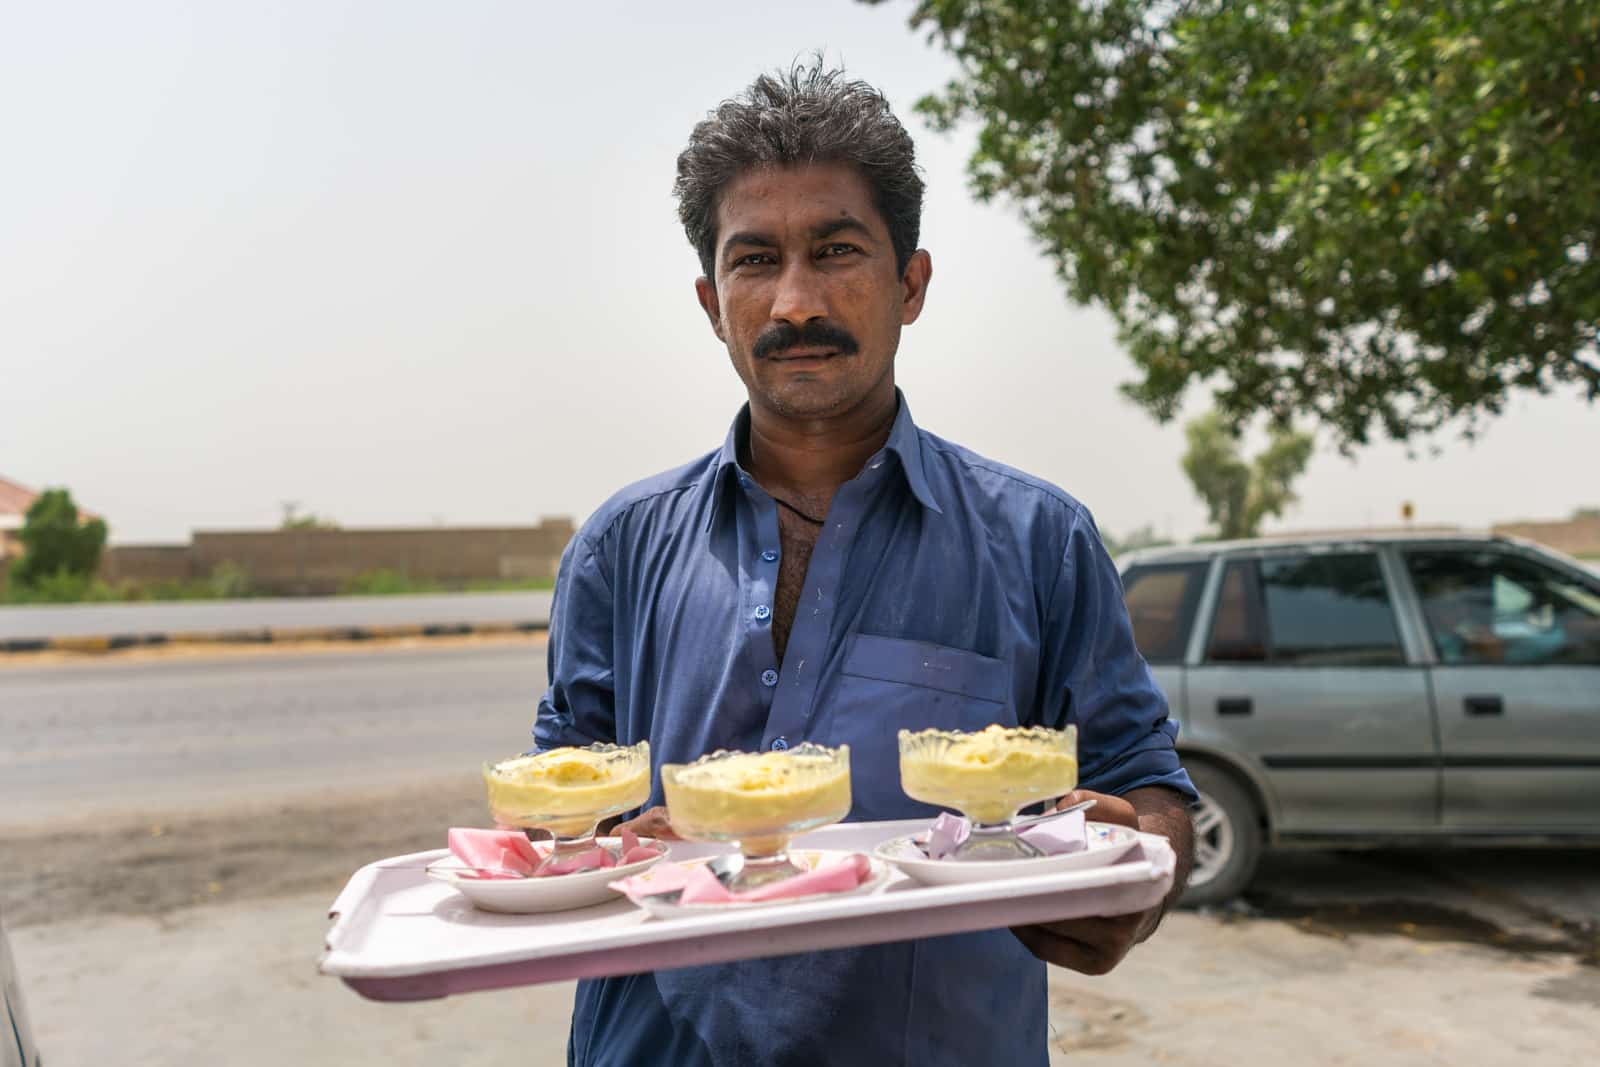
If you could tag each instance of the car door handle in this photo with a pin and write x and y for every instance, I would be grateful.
(1485, 705)
(1233, 706)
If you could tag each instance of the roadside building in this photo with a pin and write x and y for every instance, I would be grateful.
(15, 500)
(1578, 536)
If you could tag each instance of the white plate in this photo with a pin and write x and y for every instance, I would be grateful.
(526, 896)
(812, 858)
(1107, 844)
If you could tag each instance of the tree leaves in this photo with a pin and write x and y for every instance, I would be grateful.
(1240, 494)
(1382, 215)
(55, 542)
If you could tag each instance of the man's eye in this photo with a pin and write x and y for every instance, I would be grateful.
(835, 250)
(755, 259)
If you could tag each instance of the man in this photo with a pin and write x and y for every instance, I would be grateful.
(833, 573)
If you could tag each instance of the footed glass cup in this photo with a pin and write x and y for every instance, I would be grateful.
(567, 791)
(988, 776)
(758, 801)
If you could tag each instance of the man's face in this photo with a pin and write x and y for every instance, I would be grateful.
(807, 295)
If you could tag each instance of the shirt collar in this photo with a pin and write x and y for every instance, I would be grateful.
(905, 441)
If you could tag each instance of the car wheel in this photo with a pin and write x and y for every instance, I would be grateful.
(1227, 837)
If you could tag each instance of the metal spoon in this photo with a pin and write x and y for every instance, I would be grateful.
(725, 867)
(1029, 820)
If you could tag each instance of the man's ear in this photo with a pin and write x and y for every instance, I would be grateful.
(914, 286)
(705, 291)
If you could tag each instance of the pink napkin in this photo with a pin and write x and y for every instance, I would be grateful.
(1065, 833)
(700, 886)
(947, 832)
(494, 853)
(509, 854)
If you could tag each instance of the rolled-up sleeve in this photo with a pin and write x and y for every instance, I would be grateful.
(1094, 677)
(579, 707)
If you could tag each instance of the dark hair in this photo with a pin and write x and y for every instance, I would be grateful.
(805, 115)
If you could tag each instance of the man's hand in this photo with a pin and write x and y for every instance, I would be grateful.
(1095, 945)
(652, 822)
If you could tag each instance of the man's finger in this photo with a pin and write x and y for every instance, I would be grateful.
(1091, 945)
(653, 822)
(1107, 808)
(1065, 951)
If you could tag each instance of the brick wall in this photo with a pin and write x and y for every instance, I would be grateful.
(311, 562)
(147, 563)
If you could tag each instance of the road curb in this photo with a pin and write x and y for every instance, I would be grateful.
(106, 643)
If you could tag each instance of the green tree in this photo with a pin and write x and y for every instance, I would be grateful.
(1240, 493)
(55, 544)
(1381, 214)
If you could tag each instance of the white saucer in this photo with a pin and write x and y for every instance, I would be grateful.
(810, 858)
(1108, 843)
(526, 896)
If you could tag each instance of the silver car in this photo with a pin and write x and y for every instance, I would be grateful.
(16, 1039)
(1374, 689)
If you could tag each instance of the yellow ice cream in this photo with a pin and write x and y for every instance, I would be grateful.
(751, 796)
(988, 775)
(566, 790)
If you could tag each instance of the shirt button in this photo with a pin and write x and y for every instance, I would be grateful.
(769, 677)
(779, 744)
(762, 611)
(769, 555)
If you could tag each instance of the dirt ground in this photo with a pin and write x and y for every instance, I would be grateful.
(143, 867)
(147, 940)
(193, 941)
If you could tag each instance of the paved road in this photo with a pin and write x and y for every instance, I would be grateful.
(80, 620)
(143, 735)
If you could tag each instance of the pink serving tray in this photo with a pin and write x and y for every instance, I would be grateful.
(396, 934)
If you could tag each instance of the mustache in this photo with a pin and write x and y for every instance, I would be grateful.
(815, 334)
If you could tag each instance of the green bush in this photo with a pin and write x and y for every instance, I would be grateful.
(386, 582)
(61, 587)
(229, 581)
(507, 585)
(56, 544)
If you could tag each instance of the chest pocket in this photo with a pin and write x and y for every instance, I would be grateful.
(888, 684)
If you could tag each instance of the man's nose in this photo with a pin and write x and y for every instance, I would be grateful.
(799, 296)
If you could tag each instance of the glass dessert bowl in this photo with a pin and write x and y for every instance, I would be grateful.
(567, 791)
(988, 776)
(759, 800)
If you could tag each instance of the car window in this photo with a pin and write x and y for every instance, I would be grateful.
(1329, 610)
(1310, 610)
(1238, 633)
(1161, 600)
(1491, 606)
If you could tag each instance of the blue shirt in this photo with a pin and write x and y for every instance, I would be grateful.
(944, 590)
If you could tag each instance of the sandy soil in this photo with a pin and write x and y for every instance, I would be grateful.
(139, 867)
(199, 934)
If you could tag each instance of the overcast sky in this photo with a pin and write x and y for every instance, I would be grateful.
(408, 263)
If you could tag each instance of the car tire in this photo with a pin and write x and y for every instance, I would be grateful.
(1227, 837)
